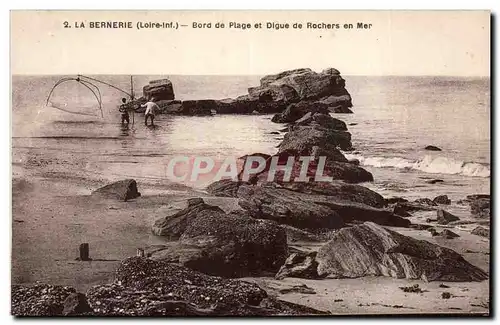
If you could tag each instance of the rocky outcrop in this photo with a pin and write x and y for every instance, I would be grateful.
(234, 245)
(296, 111)
(145, 287)
(174, 225)
(300, 265)
(224, 188)
(442, 199)
(247, 104)
(404, 207)
(372, 250)
(277, 92)
(481, 231)
(340, 191)
(304, 137)
(159, 90)
(213, 242)
(309, 211)
(444, 217)
(122, 190)
(426, 201)
(480, 206)
(323, 120)
(432, 148)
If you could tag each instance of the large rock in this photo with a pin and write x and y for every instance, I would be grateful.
(145, 287)
(372, 250)
(234, 245)
(481, 231)
(334, 167)
(159, 89)
(480, 207)
(339, 190)
(171, 107)
(442, 199)
(122, 190)
(247, 104)
(297, 110)
(198, 107)
(308, 84)
(302, 138)
(323, 120)
(444, 217)
(299, 265)
(173, 225)
(224, 188)
(309, 211)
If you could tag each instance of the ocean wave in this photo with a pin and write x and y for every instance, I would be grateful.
(428, 164)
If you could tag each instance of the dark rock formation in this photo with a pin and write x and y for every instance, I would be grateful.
(299, 265)
(339, 109)
(145, 287)
(372, 250)
(403, 208)
(322, 120)
(247, 104)
(302, 138)
(339, 191)
(442, 199)
(446, 233)
(198, 107)
(277, 92)
(432, 148)
(217, 243)
(122, 190)
(395, 200)
(39, 299)
(234, 245)
(481, 231)
(444, 217)
(434, 181)
(425, 201)
(309, 85)
(480, 207)
(296, 111)
(309, 211)
(173, 226)
(294, 235)
(172, 107)
(159, 89)
(224, 188)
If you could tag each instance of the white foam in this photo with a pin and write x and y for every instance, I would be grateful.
(428, 164)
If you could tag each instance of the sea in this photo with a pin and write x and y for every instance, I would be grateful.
(395, 118)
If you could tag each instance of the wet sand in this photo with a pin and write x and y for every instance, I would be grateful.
(53, 215)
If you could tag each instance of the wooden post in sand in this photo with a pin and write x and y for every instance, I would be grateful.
(84, 252)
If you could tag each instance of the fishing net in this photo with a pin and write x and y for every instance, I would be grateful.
(76, 93)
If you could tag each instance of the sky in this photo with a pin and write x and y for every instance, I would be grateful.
(451, 43)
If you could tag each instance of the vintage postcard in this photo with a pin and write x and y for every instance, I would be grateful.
(250, 163)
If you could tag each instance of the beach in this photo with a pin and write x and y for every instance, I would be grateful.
(59, 160)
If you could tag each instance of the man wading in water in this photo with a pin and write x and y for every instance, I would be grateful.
(150, 111)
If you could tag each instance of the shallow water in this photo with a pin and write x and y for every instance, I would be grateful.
(395, 118)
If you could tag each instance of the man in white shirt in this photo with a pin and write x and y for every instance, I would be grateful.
(150, 111)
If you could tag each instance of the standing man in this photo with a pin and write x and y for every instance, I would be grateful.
(124, 110)
(150, 111)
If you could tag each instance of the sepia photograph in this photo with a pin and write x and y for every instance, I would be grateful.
(250, 163)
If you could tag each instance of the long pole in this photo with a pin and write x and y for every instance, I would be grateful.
(132, 97)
